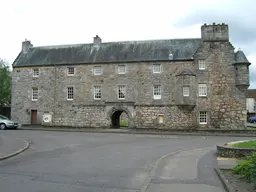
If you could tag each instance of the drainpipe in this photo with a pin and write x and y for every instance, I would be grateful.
(54, 96)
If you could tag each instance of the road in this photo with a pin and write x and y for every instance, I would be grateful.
(97, 162)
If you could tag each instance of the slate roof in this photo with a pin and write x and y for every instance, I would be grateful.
(126, 51)
(240, 57)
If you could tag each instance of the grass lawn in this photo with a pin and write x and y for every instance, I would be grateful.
(123, 123)
(251, 128)
(247, 144)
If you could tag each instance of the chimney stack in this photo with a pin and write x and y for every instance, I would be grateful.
(96, 40)
(26, 45)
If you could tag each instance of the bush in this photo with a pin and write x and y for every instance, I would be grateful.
(247, 169)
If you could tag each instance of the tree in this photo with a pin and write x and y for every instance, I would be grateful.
(5, 83)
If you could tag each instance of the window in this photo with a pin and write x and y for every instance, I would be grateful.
(156, 68)
(97, 70)
(201, 64)
(35, 72)
(97, 92)
(121, 69)
(203, 117)
(121, 92)
(185, 91)
(70, 94)
(35, 93)
(202, 90)
(70, 71)
(157, 91)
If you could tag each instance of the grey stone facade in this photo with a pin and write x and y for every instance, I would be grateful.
(226, 76)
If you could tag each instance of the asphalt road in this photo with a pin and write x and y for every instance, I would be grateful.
(96, 162)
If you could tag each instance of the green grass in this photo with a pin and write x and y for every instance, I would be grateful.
(123, 123)
(251, 128)
(247, 144)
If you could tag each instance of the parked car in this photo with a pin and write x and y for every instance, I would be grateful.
(252, 119)
(7, 123)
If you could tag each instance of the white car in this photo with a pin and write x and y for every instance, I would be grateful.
(7, 123)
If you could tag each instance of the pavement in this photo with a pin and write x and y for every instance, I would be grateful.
(11, 145)
(251, 124)
(123, 130)
(107, 162)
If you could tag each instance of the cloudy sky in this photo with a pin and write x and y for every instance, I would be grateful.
(49, 22)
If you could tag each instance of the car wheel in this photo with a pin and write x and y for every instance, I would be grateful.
(2, 126)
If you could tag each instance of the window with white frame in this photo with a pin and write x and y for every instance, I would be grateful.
(97, 92)
(35, 93)
(157, 91)
(97, 70)
(121, 92)
(185, 91)
(35, 72)
(121, 69)
(202, 89)
(156, 68)
(203, 117)
(70, 93)
(201, 64)
(71, 71)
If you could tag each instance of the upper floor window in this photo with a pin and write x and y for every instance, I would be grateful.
(97, 92)
(203, 117)
(121, 92)
(35, 93)
(71, 71)
(70, 93)
(121, 69)
(35, 72)
(201, 64)
(156, 68)
(202, 89)
(97, 70)
(157, 91)
(185, 91)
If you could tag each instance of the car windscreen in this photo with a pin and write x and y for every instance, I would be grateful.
(3, 117)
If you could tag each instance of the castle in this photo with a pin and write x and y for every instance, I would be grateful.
(196, 83)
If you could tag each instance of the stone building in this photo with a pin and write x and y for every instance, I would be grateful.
(170, 84)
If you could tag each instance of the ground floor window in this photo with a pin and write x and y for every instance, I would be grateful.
(203, 117)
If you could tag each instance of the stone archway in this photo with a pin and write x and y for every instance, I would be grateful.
(114, 117)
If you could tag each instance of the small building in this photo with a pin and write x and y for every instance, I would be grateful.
(251, 102)
(198, 83)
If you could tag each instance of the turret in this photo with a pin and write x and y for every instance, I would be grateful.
(215, 32)
(241, 65)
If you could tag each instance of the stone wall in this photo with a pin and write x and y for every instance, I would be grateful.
(22, 83)
(225, 103)
(173, 117)
(230, 152)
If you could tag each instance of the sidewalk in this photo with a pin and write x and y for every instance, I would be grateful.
(238, 133)
(11, 146)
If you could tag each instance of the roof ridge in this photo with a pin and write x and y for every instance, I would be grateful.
(113, 42)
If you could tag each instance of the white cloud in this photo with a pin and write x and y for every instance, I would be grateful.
(64, 21)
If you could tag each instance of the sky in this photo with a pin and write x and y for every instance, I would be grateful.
(51, 22)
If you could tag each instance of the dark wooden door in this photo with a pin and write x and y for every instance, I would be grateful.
(33, 117)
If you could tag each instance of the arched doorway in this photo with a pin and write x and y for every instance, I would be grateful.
(119, 118)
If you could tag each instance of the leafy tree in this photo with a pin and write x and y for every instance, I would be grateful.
(5, 83)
